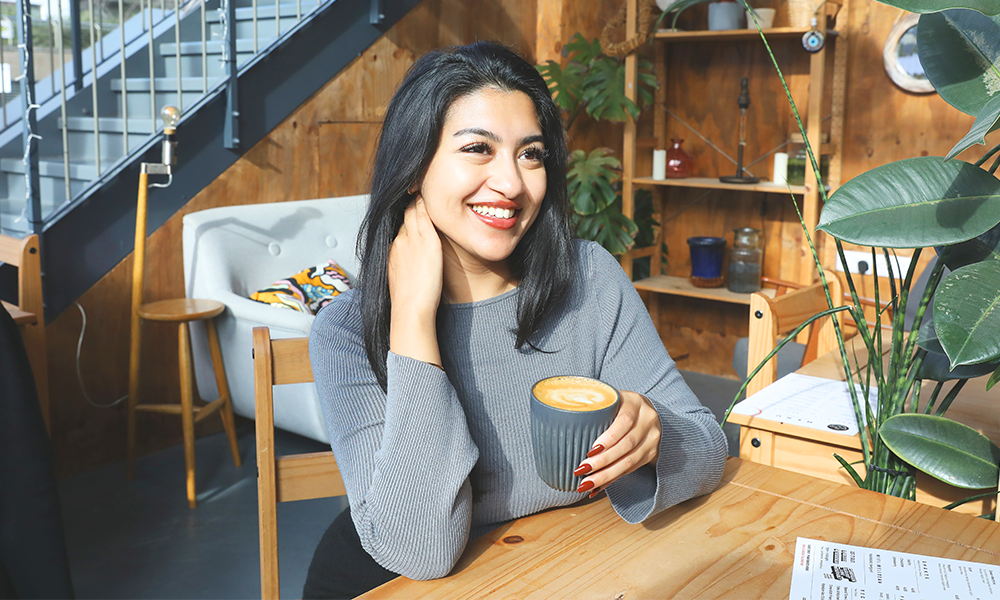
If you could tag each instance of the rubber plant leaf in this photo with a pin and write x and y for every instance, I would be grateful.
(980, 248)
(987, 7)
(967, 313)
(988, 120)
(994, 378)
(945, 449)
(935, 367)
(927, 337)
(914, 203)
(959, 51)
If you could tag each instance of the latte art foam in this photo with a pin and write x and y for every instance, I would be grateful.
(575, 393)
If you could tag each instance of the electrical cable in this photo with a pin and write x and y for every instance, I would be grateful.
(79, 374)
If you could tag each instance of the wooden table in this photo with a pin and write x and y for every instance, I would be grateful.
(737, 542)
(810, 451)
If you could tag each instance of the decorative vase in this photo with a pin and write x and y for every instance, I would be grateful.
(706, 260)
(725, 15)
(678, 161)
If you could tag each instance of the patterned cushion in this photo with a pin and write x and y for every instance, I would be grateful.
(307, 291)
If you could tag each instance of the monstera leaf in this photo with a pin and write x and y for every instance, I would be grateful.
(960, 53)
(914, 203)
(588, 180)
(967, 313)
(987, 7)
(604, 90)
(610, 228)
(942, 448)
(564, 83)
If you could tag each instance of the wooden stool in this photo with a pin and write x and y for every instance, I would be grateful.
(181, 311)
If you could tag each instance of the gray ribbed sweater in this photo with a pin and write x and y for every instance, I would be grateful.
(446, 456)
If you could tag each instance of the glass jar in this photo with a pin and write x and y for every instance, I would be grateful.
(678, 161)
(745, 261)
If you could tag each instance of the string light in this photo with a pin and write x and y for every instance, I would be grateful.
(29, 92)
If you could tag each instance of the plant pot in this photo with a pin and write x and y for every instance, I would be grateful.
(765, 16)
(706, 260)
(725, 15)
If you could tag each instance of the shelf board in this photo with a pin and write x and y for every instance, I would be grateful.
(667, 35)
(681, 286)
(708, 182)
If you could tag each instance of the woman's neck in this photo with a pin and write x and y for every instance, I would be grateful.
(471, 281)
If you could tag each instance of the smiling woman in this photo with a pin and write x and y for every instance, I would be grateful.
(471, 290)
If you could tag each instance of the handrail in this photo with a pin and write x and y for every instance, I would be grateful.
(99, 53)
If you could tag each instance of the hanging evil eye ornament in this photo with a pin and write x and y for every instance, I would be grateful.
(814, 39)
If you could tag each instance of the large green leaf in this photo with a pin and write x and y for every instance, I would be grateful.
(935, 367)
(987, 7)
(960, 53)
(564, 84)
(589, 178)
(979, 248)
(942, 448)
(994, 378)
(927, 337)
(987, 121)
(610, 228)
(914, 203)
(967, 313)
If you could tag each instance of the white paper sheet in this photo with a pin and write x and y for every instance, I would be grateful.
(828, 571)
(813, 402)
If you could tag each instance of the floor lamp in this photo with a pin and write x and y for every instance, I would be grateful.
(181, 312)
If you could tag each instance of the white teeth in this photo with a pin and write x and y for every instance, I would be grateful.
(493, 211)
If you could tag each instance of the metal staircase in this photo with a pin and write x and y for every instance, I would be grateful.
(235, 68)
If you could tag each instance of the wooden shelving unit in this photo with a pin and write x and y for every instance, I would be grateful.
(710, 183)
(680, 286)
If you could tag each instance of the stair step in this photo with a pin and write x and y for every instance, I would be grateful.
(164, 84)
(109, 124)
(52, 167)
(265, 11)
(243, 45)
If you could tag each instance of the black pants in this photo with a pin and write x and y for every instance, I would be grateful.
(33, 561)
(340, 567)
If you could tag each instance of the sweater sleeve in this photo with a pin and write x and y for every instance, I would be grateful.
(692, 445)
(405, 455)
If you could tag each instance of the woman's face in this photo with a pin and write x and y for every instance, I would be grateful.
(486, 181)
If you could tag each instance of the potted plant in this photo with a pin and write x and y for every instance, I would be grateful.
(594, 83)
(952, 207)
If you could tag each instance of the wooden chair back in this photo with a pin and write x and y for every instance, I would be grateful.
(774, 317)
(289, 478)
(29, 312)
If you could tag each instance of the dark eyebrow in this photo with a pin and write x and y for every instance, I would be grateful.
(496, 140)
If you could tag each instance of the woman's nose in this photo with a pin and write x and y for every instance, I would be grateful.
(505, 178)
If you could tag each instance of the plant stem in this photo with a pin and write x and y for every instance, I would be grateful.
(958, 503)
(933, 398)
(952, 394)
(987, 156)
(996, 163)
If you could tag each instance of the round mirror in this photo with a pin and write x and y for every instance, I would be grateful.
(899, 56)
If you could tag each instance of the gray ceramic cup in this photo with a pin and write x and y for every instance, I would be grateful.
(568, 413)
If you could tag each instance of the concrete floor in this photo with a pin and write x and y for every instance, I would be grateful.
(139, 539)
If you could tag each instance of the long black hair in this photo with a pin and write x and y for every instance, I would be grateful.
(543, 260)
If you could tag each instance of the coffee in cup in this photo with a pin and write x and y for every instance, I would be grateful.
(568, 414)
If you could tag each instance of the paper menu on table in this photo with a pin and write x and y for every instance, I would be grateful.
(828, 571)
(814, 402)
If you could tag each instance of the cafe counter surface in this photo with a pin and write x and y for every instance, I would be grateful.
(737, 542)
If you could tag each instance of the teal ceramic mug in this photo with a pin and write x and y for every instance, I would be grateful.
(568, 413)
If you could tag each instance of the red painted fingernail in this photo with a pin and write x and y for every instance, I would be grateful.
(586, 485)
(596, 492)
(597, 449)
(583, 470)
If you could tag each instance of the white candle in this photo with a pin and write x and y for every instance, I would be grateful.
(780, 173)
(659, 164)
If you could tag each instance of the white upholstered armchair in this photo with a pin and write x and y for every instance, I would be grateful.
(233, 251)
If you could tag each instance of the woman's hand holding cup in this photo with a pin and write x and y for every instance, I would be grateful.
(632, 441)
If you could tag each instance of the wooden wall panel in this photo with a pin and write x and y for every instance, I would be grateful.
(323, 149)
